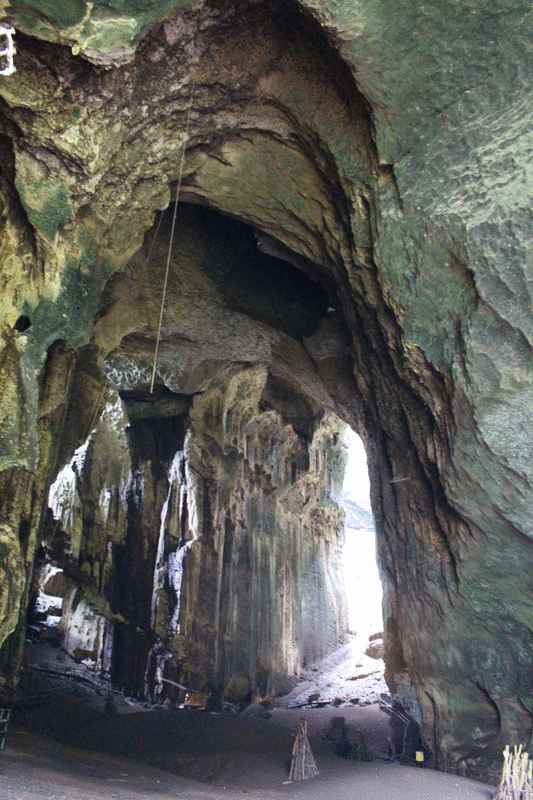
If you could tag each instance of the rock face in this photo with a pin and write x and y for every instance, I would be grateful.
(376, 649)
(203, 547)
(264, 509)
(378, 154)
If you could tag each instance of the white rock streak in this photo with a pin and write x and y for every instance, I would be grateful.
(61, 496)
(7, 53)
(169, 569)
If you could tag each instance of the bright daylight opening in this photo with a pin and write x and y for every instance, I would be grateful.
(363, 585)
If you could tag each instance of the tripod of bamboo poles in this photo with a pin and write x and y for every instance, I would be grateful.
(303, 764)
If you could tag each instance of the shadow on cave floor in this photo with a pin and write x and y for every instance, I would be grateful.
(70, 746)
(38, 768)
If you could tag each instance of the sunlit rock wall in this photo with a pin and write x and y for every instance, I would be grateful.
(263, 582)
(86, 521)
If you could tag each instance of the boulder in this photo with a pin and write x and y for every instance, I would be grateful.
(376, 649)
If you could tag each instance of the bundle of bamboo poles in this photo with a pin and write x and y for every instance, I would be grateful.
(517, 775)
(303, 764)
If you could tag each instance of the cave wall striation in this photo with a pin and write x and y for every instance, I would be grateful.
(240, 584)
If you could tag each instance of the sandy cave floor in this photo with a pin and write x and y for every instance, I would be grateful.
(36, 768)
(67, 748)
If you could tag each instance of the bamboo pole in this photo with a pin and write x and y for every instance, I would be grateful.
(517, 775)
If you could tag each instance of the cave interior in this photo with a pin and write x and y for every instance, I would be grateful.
(333, 266)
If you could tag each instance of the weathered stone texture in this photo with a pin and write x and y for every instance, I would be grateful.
(223, 544)
(265, 574)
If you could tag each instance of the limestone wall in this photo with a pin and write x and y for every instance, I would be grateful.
(209, 542)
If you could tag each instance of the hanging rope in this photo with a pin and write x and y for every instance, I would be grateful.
(153, 242)
(171, 243)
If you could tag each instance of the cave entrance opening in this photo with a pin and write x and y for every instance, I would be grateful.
(364, 592)
(350, 670)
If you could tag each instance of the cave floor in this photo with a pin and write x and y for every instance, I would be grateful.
(66, 746)
(347, 676)
(37, 768)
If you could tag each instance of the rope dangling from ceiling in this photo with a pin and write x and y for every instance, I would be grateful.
(171, 243)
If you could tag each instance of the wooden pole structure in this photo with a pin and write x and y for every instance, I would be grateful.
(517, 775)
(303, 764)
